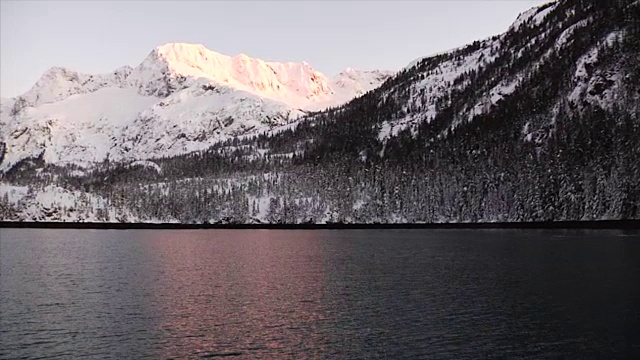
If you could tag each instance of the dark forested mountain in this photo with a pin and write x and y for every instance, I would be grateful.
(539, 123)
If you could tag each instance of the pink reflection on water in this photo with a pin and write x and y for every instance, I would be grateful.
(253, 292)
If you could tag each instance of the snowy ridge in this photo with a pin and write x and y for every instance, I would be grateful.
(296, 84)
(58, 83)
(181, 98)
(534, 15)
(352, 83)
(432, 89)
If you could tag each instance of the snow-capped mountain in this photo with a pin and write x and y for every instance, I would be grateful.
(181, 98)
(539, 123)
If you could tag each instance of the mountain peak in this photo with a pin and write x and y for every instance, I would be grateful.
(535, 14)
(183, 45)
(184, 53)
(243, 56)
(55, 70)
(177, 47)
(172, 66)
(55, 84)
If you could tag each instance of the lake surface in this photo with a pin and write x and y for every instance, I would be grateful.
(334, 294)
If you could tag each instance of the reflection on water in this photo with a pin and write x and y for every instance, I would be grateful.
(216, 284)
(319, 294)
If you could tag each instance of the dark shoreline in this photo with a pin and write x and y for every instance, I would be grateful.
(604, 224)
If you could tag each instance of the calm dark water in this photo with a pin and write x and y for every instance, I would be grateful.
(365, 294)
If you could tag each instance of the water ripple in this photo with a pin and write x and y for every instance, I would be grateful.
(412, 294)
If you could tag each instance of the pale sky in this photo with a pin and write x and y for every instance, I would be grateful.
(100, 36)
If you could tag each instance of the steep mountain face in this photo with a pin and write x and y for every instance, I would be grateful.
(470, 81)
(181, 98)
(537, 124)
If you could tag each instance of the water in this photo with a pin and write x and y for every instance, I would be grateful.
(364, 294)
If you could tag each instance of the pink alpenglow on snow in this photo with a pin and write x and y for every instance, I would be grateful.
(181, 98)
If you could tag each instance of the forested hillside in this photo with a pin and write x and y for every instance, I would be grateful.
(539, 123)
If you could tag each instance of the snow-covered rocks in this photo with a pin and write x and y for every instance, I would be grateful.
(53, 203)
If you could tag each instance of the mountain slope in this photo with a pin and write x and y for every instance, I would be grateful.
(181, 98)
(537, 124)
